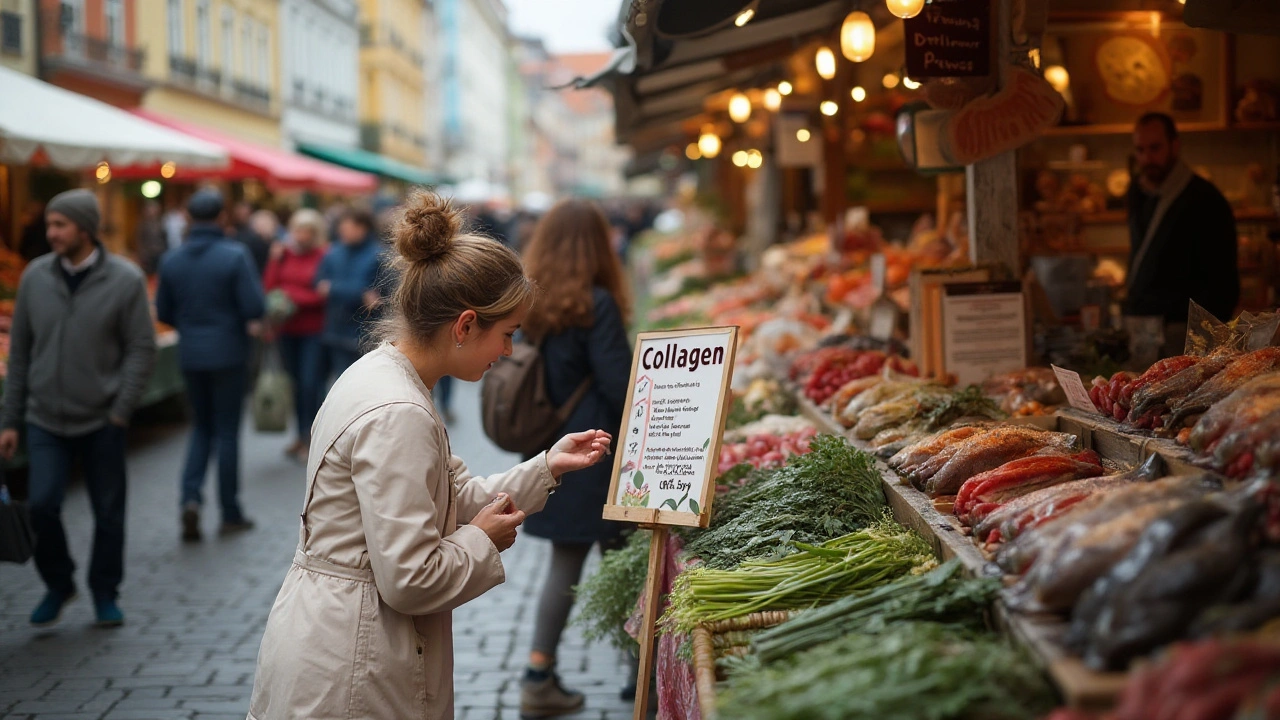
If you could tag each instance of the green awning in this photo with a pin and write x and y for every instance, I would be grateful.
(358, 159)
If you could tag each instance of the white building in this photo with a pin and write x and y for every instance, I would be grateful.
(320, 46)
(476, 89)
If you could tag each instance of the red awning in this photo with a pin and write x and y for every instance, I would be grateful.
(276, 168)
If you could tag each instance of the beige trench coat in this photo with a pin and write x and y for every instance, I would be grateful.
(362, 627)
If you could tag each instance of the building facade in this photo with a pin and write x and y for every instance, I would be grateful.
(18, 35)
(392, 100)
(215, 63)
(477, 89)
(91, 47)
(320, 70)
(433, 85)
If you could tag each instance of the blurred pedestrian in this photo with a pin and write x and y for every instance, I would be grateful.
(34, 241)
(292, 271)
(396, 533)
(209, 291)
(347, 280)
(175, 225)
(579, 325)
(149, 243)
(256, 230)
(81, 354)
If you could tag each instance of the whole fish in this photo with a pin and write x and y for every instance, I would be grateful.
(890, 441)
(852, 389)
(984, 493)
(880, 393)
(909, 457)
(1040, 506)
(1238, 372)
(1258, 606)
(895, 412)
(1154, 398)
(1234, 452)
(1159, 371)
(1026, 549)
(1246, 405)
(988, 451)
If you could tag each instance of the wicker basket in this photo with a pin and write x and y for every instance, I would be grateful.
(717, 639)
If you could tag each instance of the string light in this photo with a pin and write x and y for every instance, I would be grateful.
(739, 108)
(905, 8)
(754, 159)
(692, 152)
(891, 81)
(910, 84)
(829, 108)
(803, 135)
(825, 61)
(103, 172)
(858, 93)
(168, 170)
(772, 99)
(740, 158)
(857, 37)
(784, 88)
(709, 143)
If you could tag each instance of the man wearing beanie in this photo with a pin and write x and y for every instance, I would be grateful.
(81, 351)
(209, 290)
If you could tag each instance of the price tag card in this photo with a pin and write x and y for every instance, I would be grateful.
(1073, 386)
(669, 443)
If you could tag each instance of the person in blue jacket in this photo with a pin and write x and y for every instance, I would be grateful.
(348, 280)
(209, 291)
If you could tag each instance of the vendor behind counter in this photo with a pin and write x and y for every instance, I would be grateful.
(1182, 236)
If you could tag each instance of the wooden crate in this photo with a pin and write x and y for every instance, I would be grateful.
(704, 653)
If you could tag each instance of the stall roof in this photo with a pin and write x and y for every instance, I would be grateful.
(370, 162)
(276, 168)
(76, 132)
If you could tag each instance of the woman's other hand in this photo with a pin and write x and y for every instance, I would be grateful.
(499, 520)
(578, 451)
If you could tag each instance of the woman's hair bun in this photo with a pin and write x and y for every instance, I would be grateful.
(427, 227)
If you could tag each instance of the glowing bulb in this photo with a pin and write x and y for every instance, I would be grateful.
(1058, 78)
(905, 8)
(857, 37)
(103, 172)
(891, 81)
(708, 144)
(151, 189)
(803, 135)
(744, 17)
(829, 108)
(858, 93)
(740, 158)
(754, 159)
(692, 152)
(772, 99)
(910, 84)
(825, 61)
(168, 170)
(784, 88)
(739, 108)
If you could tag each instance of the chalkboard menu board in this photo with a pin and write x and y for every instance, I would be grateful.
(950, 38)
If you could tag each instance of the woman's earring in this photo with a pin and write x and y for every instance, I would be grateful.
(459, 346)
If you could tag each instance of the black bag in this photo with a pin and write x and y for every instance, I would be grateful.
(517, 412)
(17, 541)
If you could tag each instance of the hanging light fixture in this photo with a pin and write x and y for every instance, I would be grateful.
(692, 152)
(825, 61)
(803, 135)
(739, 108)
(857, 36)
(858, 93)
(772, 99)
(829, 108)
(744, 17)
(784, 88)
(709, 143)
(905, 8)
(910, 84)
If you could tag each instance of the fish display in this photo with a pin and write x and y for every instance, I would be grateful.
(984, 493)
(1153, 400)
(988, 451)
(1248, 404)
(1238, 372)
(947, 441)
(897, 411)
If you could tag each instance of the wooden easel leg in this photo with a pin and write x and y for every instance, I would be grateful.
(648, 631)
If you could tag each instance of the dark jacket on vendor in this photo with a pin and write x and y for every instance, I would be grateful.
(78, 356)
(209, 290)
(351, 271)
(1183, 247)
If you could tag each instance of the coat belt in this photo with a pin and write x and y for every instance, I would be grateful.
(324, 567)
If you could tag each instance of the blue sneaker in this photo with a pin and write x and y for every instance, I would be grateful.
(109, 614)
(49, 611)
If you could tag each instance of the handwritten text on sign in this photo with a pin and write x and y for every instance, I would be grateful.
(674, 420)
(950, 38)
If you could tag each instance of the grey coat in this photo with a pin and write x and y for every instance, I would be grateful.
(77, 360)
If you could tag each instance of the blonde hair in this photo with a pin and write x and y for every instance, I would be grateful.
(312, 219)
(438, 273)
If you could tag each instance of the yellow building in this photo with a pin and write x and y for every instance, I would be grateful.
(18, 35)
(392, 102)
(216, 64)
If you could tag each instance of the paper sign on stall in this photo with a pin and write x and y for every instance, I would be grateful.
(984, 330)
(669, 443)
(1073, 387)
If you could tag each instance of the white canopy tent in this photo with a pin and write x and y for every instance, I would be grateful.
(77, 132)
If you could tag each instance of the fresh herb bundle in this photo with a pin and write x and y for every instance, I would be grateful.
(814, 575)
(941, 595)
(832, 491)
(910, 671)
(607, 599)
(969, 402)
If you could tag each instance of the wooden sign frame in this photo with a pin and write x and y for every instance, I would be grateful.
(657, 516)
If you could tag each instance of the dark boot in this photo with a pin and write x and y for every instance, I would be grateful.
(542, 696)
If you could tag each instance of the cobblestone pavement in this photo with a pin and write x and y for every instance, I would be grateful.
(196, 611)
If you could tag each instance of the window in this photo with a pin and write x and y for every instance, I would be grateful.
(10, 33)
(204, 34)
(246, 49)
(71, 16)
(177, 39)
(228, 43)
(115, 23)
(264, 50)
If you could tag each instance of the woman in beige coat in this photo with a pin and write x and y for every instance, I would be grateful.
(395, 532)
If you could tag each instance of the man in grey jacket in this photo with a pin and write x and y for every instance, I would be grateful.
(81, 354)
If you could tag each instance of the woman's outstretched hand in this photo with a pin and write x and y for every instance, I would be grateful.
(578, 451)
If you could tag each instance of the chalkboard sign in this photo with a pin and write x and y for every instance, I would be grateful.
(950, 38)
